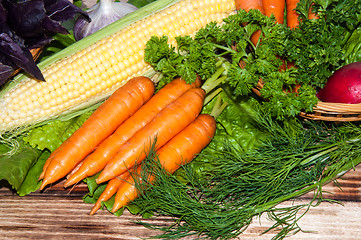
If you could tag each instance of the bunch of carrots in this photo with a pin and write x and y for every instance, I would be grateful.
(118, 135)
(280, 9)
(115, 139)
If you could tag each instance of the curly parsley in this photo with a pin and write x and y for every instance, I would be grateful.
(314, 50)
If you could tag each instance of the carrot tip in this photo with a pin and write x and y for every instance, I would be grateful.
(66, 184)
(70, 182)
(43, 184)
(115, 208)
(94, 209)
(99, 180)
(41, 175)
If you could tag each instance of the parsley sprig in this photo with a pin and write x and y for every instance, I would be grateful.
(315, 50)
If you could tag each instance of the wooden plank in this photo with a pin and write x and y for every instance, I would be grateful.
(61, 214)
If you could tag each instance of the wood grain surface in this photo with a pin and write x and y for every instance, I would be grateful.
(61, 214)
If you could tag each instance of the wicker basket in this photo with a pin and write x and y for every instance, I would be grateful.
(326, 111)
(336, 112)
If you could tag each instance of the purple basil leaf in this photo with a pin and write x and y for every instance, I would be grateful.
(25, 17)
(28, 24)
(52, 26)
(38, 42)
(5, 73)
(39, 19)
(16, 52)
(3, 14)
(61, 10)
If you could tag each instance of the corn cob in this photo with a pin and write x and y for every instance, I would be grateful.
(90, 70)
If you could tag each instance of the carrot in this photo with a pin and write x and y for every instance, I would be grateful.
(311, 14)
(109, 191)
(163, 127)
(178, 151)
(46, 166)
(75, 169)
(275, 7)
(184, 147)
(248, 5)
(97, 160)
(126, 192)
(47, 163)
(103, 122)
(291, 14)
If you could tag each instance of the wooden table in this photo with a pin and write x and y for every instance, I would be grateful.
(60, 214)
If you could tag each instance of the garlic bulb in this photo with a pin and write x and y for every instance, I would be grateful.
(101, 14)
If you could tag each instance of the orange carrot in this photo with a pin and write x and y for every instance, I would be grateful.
(251, 4)
(291, 14)
(184, 147)
(46, 166)
(178, 151)
(126, 192)
(275, 7)
(75, 169)
(103, 122)
(47, 163)
(109, 191)
(97, 160)
(163, 127)
(311, 14)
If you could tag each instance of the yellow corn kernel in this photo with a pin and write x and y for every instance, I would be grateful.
(92, 74)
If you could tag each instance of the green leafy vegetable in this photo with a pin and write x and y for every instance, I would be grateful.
(15, 163)
(22, 162)
(31, 182)
(140, 3)
(51, 135)
(316, 49)
(353, 47)
(243, 185)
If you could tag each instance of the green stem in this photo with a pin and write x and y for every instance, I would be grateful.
(210, 96)
(214, 80)
(326, 179)
(218, 107)
(323, 152)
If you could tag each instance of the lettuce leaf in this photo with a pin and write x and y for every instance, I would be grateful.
(21, 166)
(14, 166)
(51, 135)
(31, 182)
(353, 47)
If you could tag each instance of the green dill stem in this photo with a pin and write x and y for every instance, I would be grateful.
(324, 151)
(326, 179)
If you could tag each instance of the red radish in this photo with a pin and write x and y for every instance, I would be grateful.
(344, 86)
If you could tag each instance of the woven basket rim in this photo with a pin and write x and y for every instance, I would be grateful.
(328, 111)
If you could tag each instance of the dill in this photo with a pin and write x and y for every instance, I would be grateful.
(221, 202)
